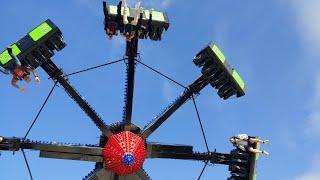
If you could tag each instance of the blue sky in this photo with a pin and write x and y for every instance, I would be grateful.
(273, 44)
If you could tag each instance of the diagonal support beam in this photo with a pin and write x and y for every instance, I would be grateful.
(194, 88)
(103, 174)
(71, 156)
(100, 174)
(39, 112)
(27, 163)
(185, 153)
(55, 150)
(74, 149)
(155, 150)
(143, 175)
(131, 52)
(53, 71)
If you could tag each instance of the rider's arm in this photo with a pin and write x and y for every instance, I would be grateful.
(35, 74)
(125, 12)
(14, 82)
(14, 57)
(137, 13)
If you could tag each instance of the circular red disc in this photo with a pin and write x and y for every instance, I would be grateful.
(124, 153)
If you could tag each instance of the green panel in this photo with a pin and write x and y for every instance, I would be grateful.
(253, 167)
(158, 16)
(257, 155)
(5, 57)
(113, 10)
(40, 31)
(146, 14)
(122, 11)
(218, 52)
(238, 79)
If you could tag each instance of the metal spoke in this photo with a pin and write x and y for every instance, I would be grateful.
(53, 71)
(200, 122)
(203, 170)
(95, 67)
(35, 119)
(71, 156)
(143, 174)
(88, 150)
(131, 52)
(194, 88)
(158, 72)
(184, 152)
(156, 150)
(100, 174)
(26, 161)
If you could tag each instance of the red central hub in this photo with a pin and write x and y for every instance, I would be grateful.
(124, 153)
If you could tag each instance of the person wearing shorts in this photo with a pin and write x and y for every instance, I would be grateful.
(244, 142)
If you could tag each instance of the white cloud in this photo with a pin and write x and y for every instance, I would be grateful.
(313, 120)
(307, 20)
(307, 16)
(313, 173)
(311, 176)
(117, 44)
(156, 4)
(168, 91)
(94, 6)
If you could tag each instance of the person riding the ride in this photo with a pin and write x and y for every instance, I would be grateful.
(20, 72)
(244, 143)
(111, 29)
(129, 32)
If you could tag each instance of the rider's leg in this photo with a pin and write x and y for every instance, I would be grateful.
(125, 12)
(137, 13)
(251, 149)
(257, 140)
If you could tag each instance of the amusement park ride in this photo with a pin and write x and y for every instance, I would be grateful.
(123, 146)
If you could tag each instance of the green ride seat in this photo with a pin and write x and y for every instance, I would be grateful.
(6, 60)
(155, 29)
(253, 164)
(243, 164)
(218, 71)
(38, 45)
